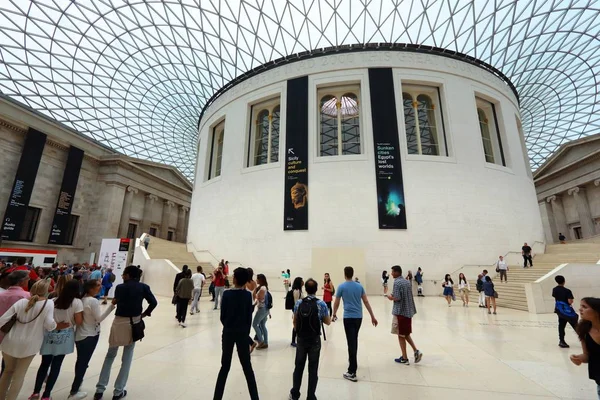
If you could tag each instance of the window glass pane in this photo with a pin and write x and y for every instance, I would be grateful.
(350, 124)
(328, 119)
(261, 142)
(484, 126)
(30, 222)
(131, 230)
(427, 126)
(410, 124)
(72, 229)
(275, 135)
(219, 152)
(152, 231)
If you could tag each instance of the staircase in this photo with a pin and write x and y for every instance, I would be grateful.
(177, 253)
(512, 294)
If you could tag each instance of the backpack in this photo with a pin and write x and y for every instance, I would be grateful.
(289, 300)
(307, 318)
(269, 300)
(112, 277)
(564, 310)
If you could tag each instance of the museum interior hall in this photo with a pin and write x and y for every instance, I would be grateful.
(367, 199)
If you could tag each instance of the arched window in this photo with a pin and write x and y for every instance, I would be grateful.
(490, 132)
(423, 121)
(264, 133)
(339, 121)
(486, 137)
(216, 150)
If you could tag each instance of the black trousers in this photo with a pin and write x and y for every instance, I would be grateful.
(240, 340)
(562, 324)
(54, 363)
(307, 348)
(182, 306)
(329, 308)
(527, 258)
(351, 327)
(85, 350)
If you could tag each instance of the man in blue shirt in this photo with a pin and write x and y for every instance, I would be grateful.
(309, 313)
(353, 295)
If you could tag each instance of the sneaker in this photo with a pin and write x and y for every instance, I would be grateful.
(563, 345)
(402, 360)
(418, 356)
(183, 325)
(122, 395)
(253, 346)
(34, 396)
(191, 313)
(77, 396)
(97, 396)
(494, 312)
(350, 377)
(262, 346)
(46, 398)
(489, 312)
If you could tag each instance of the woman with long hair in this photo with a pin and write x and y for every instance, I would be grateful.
(262, 312)
(87, 334)
(60, 284)
(297, 293)
(384, 281)
(464, 288)
(328, 291)
(489, 291)
(588, 331)
(34, 316)
(59, 342)
(448, 286)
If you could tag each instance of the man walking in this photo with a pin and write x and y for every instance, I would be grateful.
(563, 308)
(198, 279)
(352, 293)
(309, 313)
(146, 241)
(236, 317)
(526, 253)
(403, 311)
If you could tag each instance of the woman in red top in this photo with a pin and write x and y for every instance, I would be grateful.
(328, 291)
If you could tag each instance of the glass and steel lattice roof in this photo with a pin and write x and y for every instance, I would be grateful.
(135, 74)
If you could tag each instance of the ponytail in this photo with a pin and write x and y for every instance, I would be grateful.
(32, 300)
(38, 291)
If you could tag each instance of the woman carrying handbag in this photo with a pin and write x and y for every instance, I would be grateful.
(28, 320)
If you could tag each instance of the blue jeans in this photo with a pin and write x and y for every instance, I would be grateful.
(85, 350)
(260, 325)
(121, 381)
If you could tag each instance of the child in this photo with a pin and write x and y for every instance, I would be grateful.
(588, 331)
(488, 289)
(236, 317)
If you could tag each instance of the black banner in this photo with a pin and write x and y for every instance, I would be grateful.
(296, 156)
(388, 169)
(23, 185)
(60, 224)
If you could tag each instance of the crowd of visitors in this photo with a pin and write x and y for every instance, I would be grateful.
(56, 311)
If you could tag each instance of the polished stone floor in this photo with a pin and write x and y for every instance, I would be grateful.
(467, 355)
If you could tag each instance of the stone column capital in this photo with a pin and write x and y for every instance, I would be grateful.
(597, 182)
(132, 189)
(184, 209)
(551, 198)
(152, 197)
(574, 190)
(169, 203)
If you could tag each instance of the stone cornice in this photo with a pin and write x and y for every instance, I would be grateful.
(12, 127)
(571, 166)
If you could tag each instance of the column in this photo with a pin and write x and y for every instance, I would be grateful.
(548, 222)
(147, 215)
(583, 209)
(560, 219)
(166, 216)
(125, 214)
(181, 217)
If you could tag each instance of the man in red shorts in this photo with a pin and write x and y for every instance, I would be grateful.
(403, 311)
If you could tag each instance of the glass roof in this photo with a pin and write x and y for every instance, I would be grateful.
(135, 74)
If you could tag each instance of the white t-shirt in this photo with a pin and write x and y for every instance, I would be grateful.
(261, 303)
(198, 280)
(463, 285)
(502, 265)
(68, 315)
(92, 316)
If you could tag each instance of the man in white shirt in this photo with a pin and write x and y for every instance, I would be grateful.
(198, 278)
(502, 267)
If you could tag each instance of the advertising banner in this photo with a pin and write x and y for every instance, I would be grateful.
(391, 204)
(23, 185)
(60, 224)
(296, 156)
(113, 254)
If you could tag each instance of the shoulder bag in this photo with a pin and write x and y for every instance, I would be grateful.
(137, 329)
(11, 322)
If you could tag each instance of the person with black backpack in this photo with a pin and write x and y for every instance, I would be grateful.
(309, 315)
